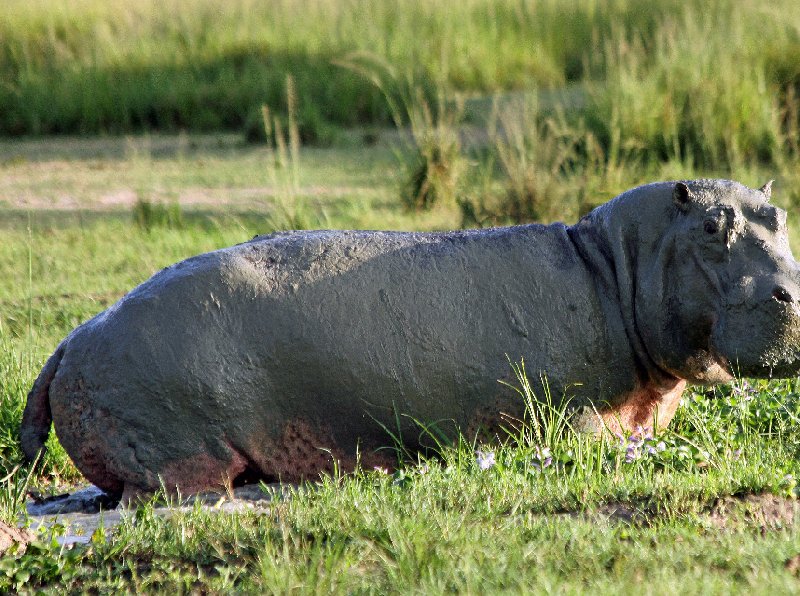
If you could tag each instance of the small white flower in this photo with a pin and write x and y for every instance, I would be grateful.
(485, 459)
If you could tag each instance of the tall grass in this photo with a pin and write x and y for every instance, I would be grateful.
(700, 91)
(89, 66)
(282, 156)
(543, 165)
(431, 151)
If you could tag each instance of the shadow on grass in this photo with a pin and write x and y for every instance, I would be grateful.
(223, 92)
(249, 220)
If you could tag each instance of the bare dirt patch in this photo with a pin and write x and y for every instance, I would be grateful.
(761, 512)
(9, 536)
(108, 174)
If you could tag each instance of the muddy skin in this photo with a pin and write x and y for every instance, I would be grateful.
(278, 357)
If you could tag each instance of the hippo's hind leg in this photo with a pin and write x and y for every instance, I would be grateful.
(177, 478)
(83, 432)
(211, 465)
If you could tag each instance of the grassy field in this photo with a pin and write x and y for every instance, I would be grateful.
(508, 112)
(706, 83)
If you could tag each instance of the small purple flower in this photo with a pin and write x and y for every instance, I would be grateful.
(661, 446)
(631, 454)
(744, 390)
(542, 458)
(485, 459)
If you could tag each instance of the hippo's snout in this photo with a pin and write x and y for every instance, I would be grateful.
(785, 287)
(780, 327)
(758, 331)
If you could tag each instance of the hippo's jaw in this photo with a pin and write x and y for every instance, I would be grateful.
(761, 342)
(715, 369)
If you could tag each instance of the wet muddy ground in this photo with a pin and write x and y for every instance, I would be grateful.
(82, 512)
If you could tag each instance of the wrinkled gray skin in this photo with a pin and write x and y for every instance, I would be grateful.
(247, 361)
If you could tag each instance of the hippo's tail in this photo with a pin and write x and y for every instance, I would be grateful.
(37, 417)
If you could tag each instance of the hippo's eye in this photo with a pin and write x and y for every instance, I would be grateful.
(711, 226)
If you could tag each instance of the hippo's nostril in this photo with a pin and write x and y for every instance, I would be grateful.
(782, 294)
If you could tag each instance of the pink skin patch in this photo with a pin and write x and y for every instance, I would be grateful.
(643, 406)
(305, 450)
(203, 472)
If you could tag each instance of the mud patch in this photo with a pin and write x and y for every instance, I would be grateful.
(615, 513)
(747, 512)
(792, 565)
(622, 513)
(87, 500)
(10, 536)
(763, 512)
(86, 510)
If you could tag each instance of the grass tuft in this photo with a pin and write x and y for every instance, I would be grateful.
(148, 215)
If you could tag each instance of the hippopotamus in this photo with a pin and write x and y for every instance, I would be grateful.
(284, 356)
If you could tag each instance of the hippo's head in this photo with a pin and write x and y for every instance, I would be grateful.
(718, 295)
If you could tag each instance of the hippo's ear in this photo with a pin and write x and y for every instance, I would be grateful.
(682, 196)
(766, 190)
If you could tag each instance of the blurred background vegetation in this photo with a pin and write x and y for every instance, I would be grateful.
(570, 97)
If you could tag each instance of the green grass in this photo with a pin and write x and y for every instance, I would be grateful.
(712, 83)
(439, 525)
(93, 66)
(448, 525)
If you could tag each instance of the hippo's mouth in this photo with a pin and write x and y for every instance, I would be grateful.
(717, 368)
(708, 364)
(780, 361)
(721, 361)
(766, 348)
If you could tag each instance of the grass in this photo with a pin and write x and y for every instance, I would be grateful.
(448, 525)
(711, 83)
